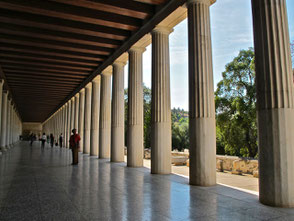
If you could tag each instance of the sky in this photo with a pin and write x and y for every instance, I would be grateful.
(231, 30)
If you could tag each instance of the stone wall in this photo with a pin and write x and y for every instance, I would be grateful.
(31, 127)
(233, 164)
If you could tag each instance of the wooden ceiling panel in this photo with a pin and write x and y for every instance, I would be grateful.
(50, 49)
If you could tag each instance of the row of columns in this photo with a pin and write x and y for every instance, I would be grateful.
(101, 123)
(10, 123)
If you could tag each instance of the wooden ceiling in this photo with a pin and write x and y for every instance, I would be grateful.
(50, 49)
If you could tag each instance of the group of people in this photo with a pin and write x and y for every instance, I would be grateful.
(50, 139)
(74, 143)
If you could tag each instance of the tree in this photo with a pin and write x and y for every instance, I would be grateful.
(235, 100)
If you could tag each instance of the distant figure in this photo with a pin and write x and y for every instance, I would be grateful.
(32, 138)
(44, 138)
(51, 140)
(74, 143)
(48, 139)
(60, 140)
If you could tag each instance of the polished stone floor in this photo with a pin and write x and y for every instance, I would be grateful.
(40, 184)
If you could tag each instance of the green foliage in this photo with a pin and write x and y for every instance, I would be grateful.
(180, 129)
(235, 100)
(180, 125)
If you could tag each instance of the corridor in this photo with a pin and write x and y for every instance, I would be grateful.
(38, 184)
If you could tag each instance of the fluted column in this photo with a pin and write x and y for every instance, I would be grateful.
(8, 124)
(87, 118)
(68, 131)
(73, 107)
(135, 131)
(201, 96)
(95, 110)
(105, 121)
(77, 107)
(4, 120)
(81, 118)
(65, 142)
(1, 106)
(117, 113)
(160, 104)
(275, 104)
(11, 125)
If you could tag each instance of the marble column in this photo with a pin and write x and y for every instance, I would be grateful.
(135, 131)
(117, 113)
(95, 111)
(160, 104)
(81, 118)
(4, 120)
(73, 107)
(201, 96)
(68, 132)
(105, 118)
(65, 142)
(1, 93)
(87, 118)
(11, 125)
(275, 103)
(8, 124)
(77, 107)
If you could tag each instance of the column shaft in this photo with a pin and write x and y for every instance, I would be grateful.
(73, 106)
(68, 133)
(1, 105)
(4, 120)
(87, 119)
(160, 104)
(65, 142)
(135, 130)
(81, 118)
(95, 111)
(275, 104)
(8, 124)
(77, 107)
(201, 96)
(117, 113)
(105, 110)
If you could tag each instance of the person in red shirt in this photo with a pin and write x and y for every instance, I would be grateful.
(74, 143)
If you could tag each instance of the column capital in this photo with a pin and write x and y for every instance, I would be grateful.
(82, 91)
(89, 85)
(119, 63)
(137, 49)
(208, 2)
(162, 29)
(97, 79)
(107, 71)
(77, 95)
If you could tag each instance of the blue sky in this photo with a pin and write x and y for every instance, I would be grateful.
(231, 29)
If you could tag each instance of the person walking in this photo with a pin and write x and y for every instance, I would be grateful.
(44, 137)
(74, 143)
(32, 138)
(51, 140)
(60, 140)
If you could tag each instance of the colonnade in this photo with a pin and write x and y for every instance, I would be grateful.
(10, 122)
(100, 119)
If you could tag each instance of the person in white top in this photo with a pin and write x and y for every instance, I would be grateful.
(44, 137)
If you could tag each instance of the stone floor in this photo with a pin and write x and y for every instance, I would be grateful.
(243, 182)
(38, 184)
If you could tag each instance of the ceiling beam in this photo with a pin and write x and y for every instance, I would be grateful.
(71, 12)
(53, 24)
(37, 73)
